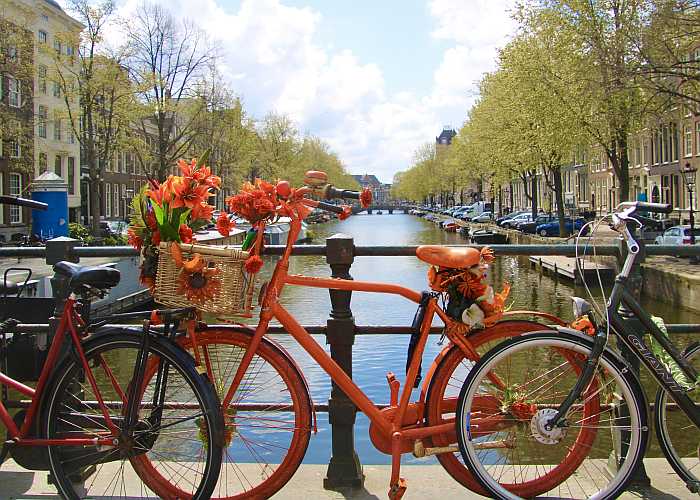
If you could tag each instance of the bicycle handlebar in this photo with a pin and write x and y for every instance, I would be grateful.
(330, 193)
(659, 208)
(329, 207)
(23, 202)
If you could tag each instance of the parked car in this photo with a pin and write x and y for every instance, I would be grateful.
(678, 235)
(552, 228)
(510, 216)
(512, 222)
(483, 218)
(530, 226)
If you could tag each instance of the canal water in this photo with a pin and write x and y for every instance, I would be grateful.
(375, 355)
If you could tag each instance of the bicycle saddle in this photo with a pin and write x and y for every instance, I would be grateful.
(95, 276)
(441, 256)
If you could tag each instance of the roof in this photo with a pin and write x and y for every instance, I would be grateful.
(54, 4)
(445, 136)
(367, 179)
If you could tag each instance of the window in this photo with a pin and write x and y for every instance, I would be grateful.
(41, 124)
(688, 141)
(41, 71)
(108, 199)
(57, 46)
(129, 163)
(58, 166)
(14, 95)
(56, 127)
(674, 136)
(12, 53)
(56, 89)
(71, 175)
(15, 190)
(15, 148)
(42, 163)
(45, 18)
(71, 135)
(115, 207)
(120, 161)
(43, 37)
(69, 50)
(637, 153)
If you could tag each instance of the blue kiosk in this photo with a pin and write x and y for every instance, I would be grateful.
(51, 189)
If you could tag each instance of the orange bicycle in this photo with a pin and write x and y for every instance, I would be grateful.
(266, 402)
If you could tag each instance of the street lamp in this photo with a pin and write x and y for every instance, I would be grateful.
(689, 178)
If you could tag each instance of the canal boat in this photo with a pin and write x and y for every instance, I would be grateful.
(486, 237)
(275, 233)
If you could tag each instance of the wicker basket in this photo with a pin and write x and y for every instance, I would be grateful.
(235, 295)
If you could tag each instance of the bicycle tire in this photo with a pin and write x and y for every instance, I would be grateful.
(448, 377)
(682, 456)
(473, 430)
(245, 472)
(80, 471)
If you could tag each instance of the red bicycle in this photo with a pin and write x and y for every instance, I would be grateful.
(107, 400)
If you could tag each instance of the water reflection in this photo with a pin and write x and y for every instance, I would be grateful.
(375, 355)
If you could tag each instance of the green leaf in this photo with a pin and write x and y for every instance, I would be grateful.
(183, 217)
(202, 160)
(159, 213)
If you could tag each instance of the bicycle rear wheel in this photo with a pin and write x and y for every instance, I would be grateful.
(678, 436)
(267, 427)
(502, 427)
(445, 385)
(181, 437)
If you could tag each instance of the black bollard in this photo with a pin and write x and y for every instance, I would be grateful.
(344, 469)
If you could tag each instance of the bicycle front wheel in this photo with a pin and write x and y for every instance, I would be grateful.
(179, 431)
(267, 426)
(678, 436)
(511, 395)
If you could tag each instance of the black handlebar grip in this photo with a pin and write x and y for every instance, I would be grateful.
(329, 207)
(23, 202)
(659, 208)
(344, 194)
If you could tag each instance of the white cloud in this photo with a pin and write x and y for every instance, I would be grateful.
(272, 57)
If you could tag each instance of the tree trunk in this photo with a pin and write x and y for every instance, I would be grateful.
(559, 197)
(623, 171)
(533, 196)
(95, 204)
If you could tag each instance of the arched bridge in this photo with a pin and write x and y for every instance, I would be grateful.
(385, 207)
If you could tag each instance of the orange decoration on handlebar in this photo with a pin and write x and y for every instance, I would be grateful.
(366, 198)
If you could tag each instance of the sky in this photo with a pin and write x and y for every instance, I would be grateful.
(374, 79)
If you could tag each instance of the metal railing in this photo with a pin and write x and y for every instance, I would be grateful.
(340, 330)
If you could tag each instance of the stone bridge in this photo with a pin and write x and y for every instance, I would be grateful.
(387, 207)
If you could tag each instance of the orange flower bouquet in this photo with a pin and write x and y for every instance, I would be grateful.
(173, 211)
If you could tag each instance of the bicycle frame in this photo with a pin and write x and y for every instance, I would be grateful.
(633, 340)
(67, 325)
(271, 308)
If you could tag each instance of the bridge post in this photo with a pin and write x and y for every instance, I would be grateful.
(344, 469)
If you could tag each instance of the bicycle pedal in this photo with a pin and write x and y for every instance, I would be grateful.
(397, 490)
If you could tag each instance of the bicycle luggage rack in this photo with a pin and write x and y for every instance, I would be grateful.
(340, 330)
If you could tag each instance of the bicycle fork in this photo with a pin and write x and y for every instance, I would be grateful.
(599, 342)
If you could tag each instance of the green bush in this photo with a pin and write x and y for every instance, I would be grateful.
(78, 231)
(109, 241)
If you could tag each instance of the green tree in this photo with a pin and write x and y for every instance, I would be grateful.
(97, 93)
(17, 74)
(596, 80)
(167, 61)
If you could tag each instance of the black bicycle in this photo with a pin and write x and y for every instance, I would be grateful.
(117, 411)
(561, 406)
